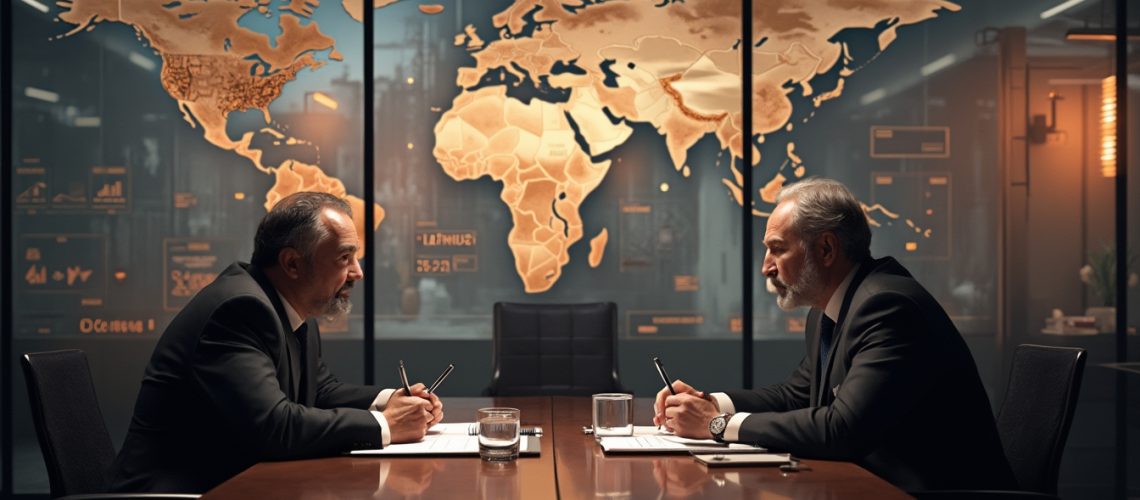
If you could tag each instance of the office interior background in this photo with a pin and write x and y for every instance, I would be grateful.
(551, 152)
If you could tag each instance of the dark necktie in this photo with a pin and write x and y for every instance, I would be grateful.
(302, 334)
(826, 331)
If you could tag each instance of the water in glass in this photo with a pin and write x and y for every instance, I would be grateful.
(613, 414)
(498, 433)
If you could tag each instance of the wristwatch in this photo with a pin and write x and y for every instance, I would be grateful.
(718, 424)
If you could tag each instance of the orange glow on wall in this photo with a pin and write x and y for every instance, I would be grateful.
(325, 100)
(1108, 127)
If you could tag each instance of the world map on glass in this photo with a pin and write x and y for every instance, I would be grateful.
(602, 70)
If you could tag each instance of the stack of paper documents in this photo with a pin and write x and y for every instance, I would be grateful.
(448, 439)
(647, 439)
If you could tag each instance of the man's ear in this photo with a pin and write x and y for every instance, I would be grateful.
(827, 248)
(290, 261)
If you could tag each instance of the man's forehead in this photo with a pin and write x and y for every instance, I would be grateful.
(340, 228)
(778, 222)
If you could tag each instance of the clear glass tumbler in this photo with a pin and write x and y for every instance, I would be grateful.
(613, 414)
(498, 433)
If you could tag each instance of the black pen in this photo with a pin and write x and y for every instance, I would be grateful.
(439, 379)
(664, 376)
(404, 379)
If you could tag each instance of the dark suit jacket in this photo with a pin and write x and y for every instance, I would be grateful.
(901, 394)
(223, 391)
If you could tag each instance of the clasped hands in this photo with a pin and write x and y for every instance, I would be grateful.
(410, 416)
(686, 413)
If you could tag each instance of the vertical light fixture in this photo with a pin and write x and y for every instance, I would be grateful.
(1108, 127)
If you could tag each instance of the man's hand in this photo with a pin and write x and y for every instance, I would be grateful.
(686, 414)
(436, 409)
(660, 404)
(409, 416)
(420, 390)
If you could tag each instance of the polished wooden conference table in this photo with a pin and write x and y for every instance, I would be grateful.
(570, 466)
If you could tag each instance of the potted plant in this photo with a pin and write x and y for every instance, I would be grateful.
(1100, 275)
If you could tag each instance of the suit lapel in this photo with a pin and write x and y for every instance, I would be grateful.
(294, 365)
(824, 382)
(292, 347)
(306, 393)
(813, 320)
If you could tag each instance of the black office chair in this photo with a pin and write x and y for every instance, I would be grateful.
(1034, 420)
(73, 437)
(1035, 417)
(554, 349)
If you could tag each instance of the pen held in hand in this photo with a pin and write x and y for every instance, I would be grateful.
(664, 376)
(665, 379)
(404, 379)
(439, 379)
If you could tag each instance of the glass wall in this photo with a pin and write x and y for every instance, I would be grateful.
(1128, 381)
(147, 146)
(585, 151)
(4, 89)
(883, 114)
(560, 154)
(869, 97)
(974, 134)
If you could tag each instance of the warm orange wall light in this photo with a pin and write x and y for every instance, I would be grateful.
(1108, 127)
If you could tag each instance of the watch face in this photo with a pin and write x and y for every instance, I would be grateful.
(717, 425)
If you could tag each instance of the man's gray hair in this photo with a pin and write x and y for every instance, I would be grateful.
(824, 205)
(294, 222)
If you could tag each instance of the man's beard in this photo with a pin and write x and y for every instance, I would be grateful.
(338, 306)
(803, 291)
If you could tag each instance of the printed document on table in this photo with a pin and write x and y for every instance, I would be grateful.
(448, 439)
(647, 439)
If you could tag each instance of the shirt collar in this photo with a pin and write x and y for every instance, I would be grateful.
(836, 302)
(295, 320)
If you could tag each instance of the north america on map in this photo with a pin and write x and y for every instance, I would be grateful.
(213, 67)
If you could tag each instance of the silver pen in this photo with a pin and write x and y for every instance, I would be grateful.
(439, 379)
(404, 379)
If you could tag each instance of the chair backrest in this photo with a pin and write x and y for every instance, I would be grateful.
(74, 440)
(554, 349)
(1038, 409)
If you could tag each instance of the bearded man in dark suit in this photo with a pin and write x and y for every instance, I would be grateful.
(238, 378)
(887, 382)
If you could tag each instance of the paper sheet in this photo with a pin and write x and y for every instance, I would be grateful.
(445, 439)
(647, 439)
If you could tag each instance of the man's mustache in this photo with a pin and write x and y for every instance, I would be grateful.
(777, 282)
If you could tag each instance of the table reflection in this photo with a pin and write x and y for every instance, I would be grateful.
(405, 478)
(498, 480)
(680, 477)
(613, 477)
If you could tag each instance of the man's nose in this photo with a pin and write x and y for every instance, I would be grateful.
(768, 268)
(355, 273)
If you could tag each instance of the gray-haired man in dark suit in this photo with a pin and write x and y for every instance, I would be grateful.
(887, 382)
(238, 378)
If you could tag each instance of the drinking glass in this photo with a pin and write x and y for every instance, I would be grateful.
(498, 433)
(613, 414)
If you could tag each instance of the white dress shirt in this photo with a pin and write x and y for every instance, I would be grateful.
(378, 404)
(834, 304)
